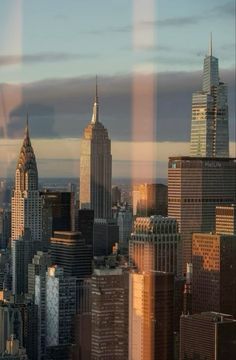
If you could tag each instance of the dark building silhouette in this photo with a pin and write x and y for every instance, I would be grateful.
(70, 251)
(105, 235)
(85, 224)
(207, 336)
(58, 213)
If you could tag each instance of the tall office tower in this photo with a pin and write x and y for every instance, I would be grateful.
(10, 323)
(85, 224)
(82, 325)
(96, 167)
(105, 235)
(70, 251)
(207, 336)
(39, 265)
(26, 203)
(195, 187)
(109, 314)
(154, 244)
(5, 228)
(150, 199)
(58, 213)
(226, 219)
(151, 316)
(29, 315)
(125, 222)
(210, 128)
(13, 350)
(214, 273)
(60, 307)
(23, 250)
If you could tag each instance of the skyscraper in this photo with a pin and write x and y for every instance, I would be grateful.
(214, 273)
(96, 167)
(109, 314)
(151, 305)
(207, 336)
(26, 220)
(195, 187)
(210, 129)
(26, 201)
(226, 219)
(154, 244)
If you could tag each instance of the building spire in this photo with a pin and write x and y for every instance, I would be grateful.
(210, 45)
(27, 126)
(95, 117)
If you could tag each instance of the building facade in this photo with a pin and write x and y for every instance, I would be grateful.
(26, 203)
(154, 244)
(226, 219)
(96, 167)
(207, 336)
(214, 273)
(195, 187)
(151, 310)
(109, 291)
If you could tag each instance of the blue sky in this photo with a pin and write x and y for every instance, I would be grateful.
(69, 38)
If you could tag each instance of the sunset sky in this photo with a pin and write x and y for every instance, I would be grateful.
(148, 56)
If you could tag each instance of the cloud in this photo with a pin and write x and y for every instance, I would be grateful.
(61, 108)
(227, 9)
(46, 57)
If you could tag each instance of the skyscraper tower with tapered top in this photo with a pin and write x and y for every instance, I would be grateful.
(26, 202)
(96, 167)
(210, 128)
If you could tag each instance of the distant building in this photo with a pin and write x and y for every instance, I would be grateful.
(109, 314)
(5, 228)
(226, 219)
(150, 199)
(154, 244)
(210, 124)
(23, 251)
(151, 310)
(37, 289)
(96, 167)
(125, 222)
(10, 323)
(60, 307)
(13, 350)
(26, 204)
(105, 235)
(26, 219)
(207, 336)
(69, 250)
(195, 187)
(214, 273)
(116, 195)
(58, 213)
(85, 224)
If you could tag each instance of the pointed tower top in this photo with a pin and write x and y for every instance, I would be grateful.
(27, 128)
(95, 117)
(210, 45)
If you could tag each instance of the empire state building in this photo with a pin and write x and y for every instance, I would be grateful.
(96, 167)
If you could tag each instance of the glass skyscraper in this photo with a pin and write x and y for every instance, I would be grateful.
(210, 128)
